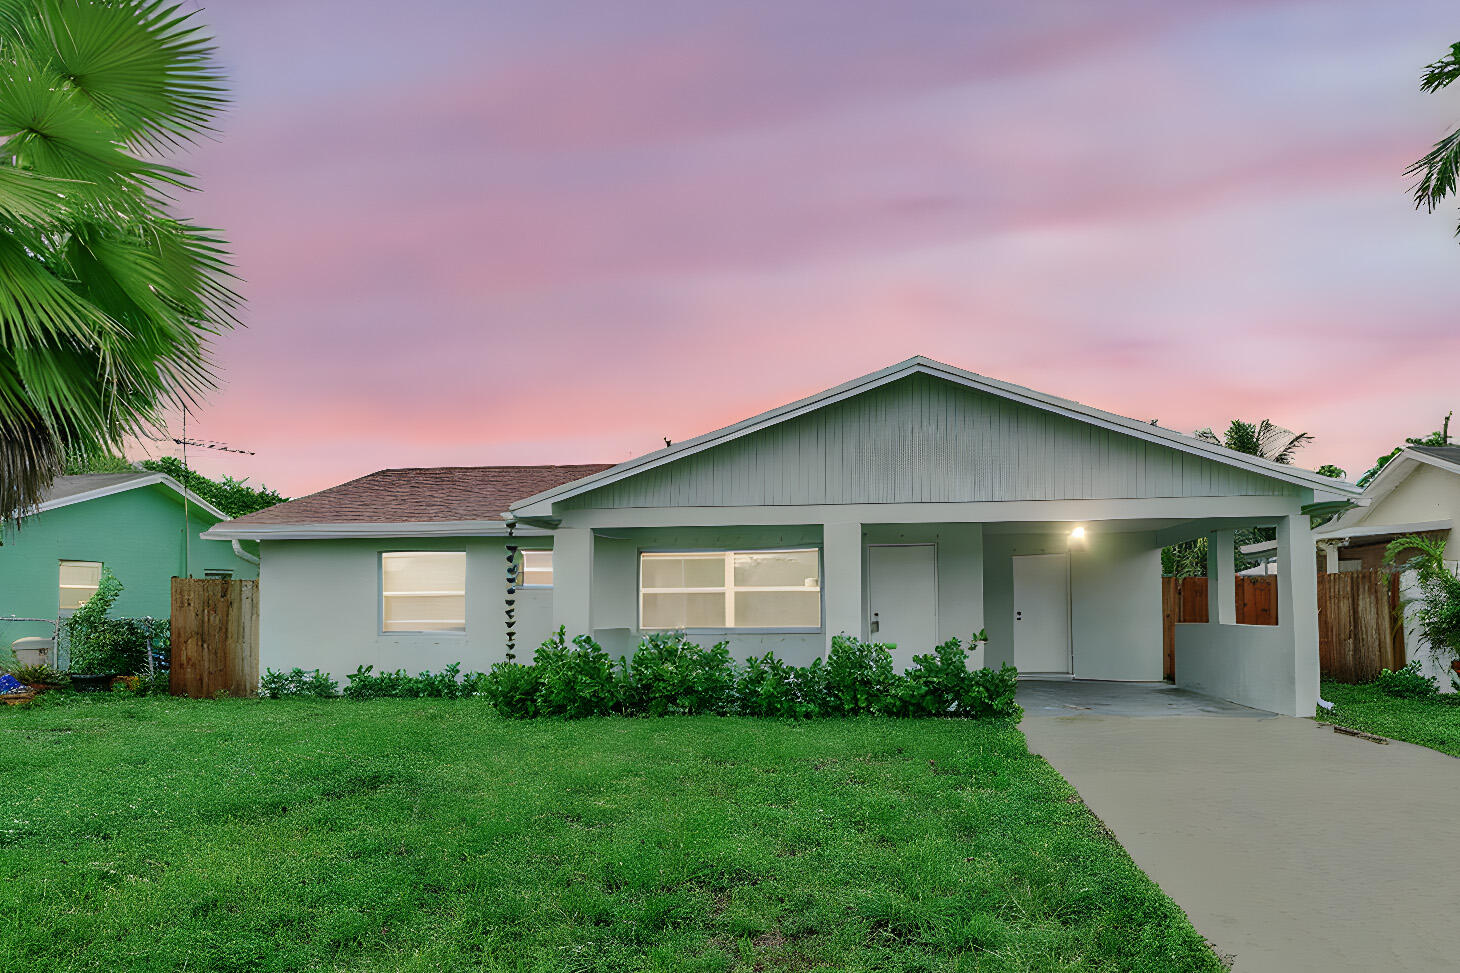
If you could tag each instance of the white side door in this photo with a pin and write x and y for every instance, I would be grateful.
(1042, 612)
(902, 602)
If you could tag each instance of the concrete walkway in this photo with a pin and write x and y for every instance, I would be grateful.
(1292, 848)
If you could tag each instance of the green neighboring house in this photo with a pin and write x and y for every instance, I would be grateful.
(136, 524)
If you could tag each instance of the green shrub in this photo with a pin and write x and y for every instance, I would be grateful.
(862, 678)
(298, 682)
(575, 679)
(768, 686)
(512, 689)
(671, 675)
(1407, 683)
(990, 694)
(122, 645)
(42, 675)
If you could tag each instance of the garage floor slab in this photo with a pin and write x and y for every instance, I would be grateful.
(1292, 848)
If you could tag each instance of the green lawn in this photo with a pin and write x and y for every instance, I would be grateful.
(1433, 723)
(431, 835)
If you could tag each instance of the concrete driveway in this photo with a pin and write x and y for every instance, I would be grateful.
(1291, 847)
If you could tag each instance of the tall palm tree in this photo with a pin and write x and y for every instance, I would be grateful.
(1262, 438)
(108, 299)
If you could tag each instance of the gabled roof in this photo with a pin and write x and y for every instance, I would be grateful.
(1395, 472)
(435, 501)
(539, 505)
(68, 490)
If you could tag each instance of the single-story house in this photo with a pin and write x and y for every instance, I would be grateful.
(908, 506)
(143, 526)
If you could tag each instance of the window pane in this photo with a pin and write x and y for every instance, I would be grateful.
(776, 569)
(423, 591)
(537, 567)
(692, 610)
(684, 570)
(778, 609)
(79, 581)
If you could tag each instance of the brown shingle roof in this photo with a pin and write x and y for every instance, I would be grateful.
(421, 495)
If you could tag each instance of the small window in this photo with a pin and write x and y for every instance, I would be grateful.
(537, 569)
(776, 590)
(218, 574)
(423, 591)
(79, 581)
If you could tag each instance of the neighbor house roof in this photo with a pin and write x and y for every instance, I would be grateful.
(66, 490)
(1448, 454)
(1353, 522)
(435, 501)
(539, 505)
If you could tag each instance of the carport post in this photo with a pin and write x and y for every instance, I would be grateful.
(1297, 605)
(1221, 578)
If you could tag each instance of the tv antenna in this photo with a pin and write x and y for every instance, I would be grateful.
(185, 442)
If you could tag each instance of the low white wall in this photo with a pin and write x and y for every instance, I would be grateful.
(1247, 664)
(319, 608)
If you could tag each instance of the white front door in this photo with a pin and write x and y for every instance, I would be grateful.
(1042, 612)
(902, 603)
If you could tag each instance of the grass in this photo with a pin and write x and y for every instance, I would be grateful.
(430, 835)
(1433, 723)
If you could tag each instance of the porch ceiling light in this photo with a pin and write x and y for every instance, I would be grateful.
(1078, 534)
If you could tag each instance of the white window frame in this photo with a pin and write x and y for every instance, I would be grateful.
(729, 588)
(522, 568)
(382, 594)
(60, 564)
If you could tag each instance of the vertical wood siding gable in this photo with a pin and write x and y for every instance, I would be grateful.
(922, 439)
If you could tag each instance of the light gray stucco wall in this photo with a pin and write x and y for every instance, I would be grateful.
(320, 608)
(1115, 600)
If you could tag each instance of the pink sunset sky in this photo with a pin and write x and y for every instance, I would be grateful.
(495, 233)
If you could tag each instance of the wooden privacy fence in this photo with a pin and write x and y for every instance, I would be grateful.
(215, 637)
(1358, 629)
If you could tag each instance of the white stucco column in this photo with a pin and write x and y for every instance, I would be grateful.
(573, 580)
(1330, 556)
(1298, 606)
(841, 582)
(1221, 578)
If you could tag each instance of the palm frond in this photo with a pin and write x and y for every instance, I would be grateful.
(1279, 444)
(1442, 73)
(145, 66)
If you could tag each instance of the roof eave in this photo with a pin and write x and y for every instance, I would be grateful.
(342, 531)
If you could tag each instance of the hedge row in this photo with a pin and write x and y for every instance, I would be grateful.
(669, 674)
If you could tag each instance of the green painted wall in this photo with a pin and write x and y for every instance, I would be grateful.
(138, 534)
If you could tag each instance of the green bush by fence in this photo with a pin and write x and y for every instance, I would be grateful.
(671, 675)
(100, 644)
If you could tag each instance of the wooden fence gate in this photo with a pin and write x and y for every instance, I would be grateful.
(215, 637)
(1359, 631)
(1358, 628)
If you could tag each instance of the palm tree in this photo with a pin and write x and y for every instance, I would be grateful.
(108, 300)
(1263, 438)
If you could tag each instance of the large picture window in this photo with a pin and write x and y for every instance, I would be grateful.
(423, 591)
(777, 590)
